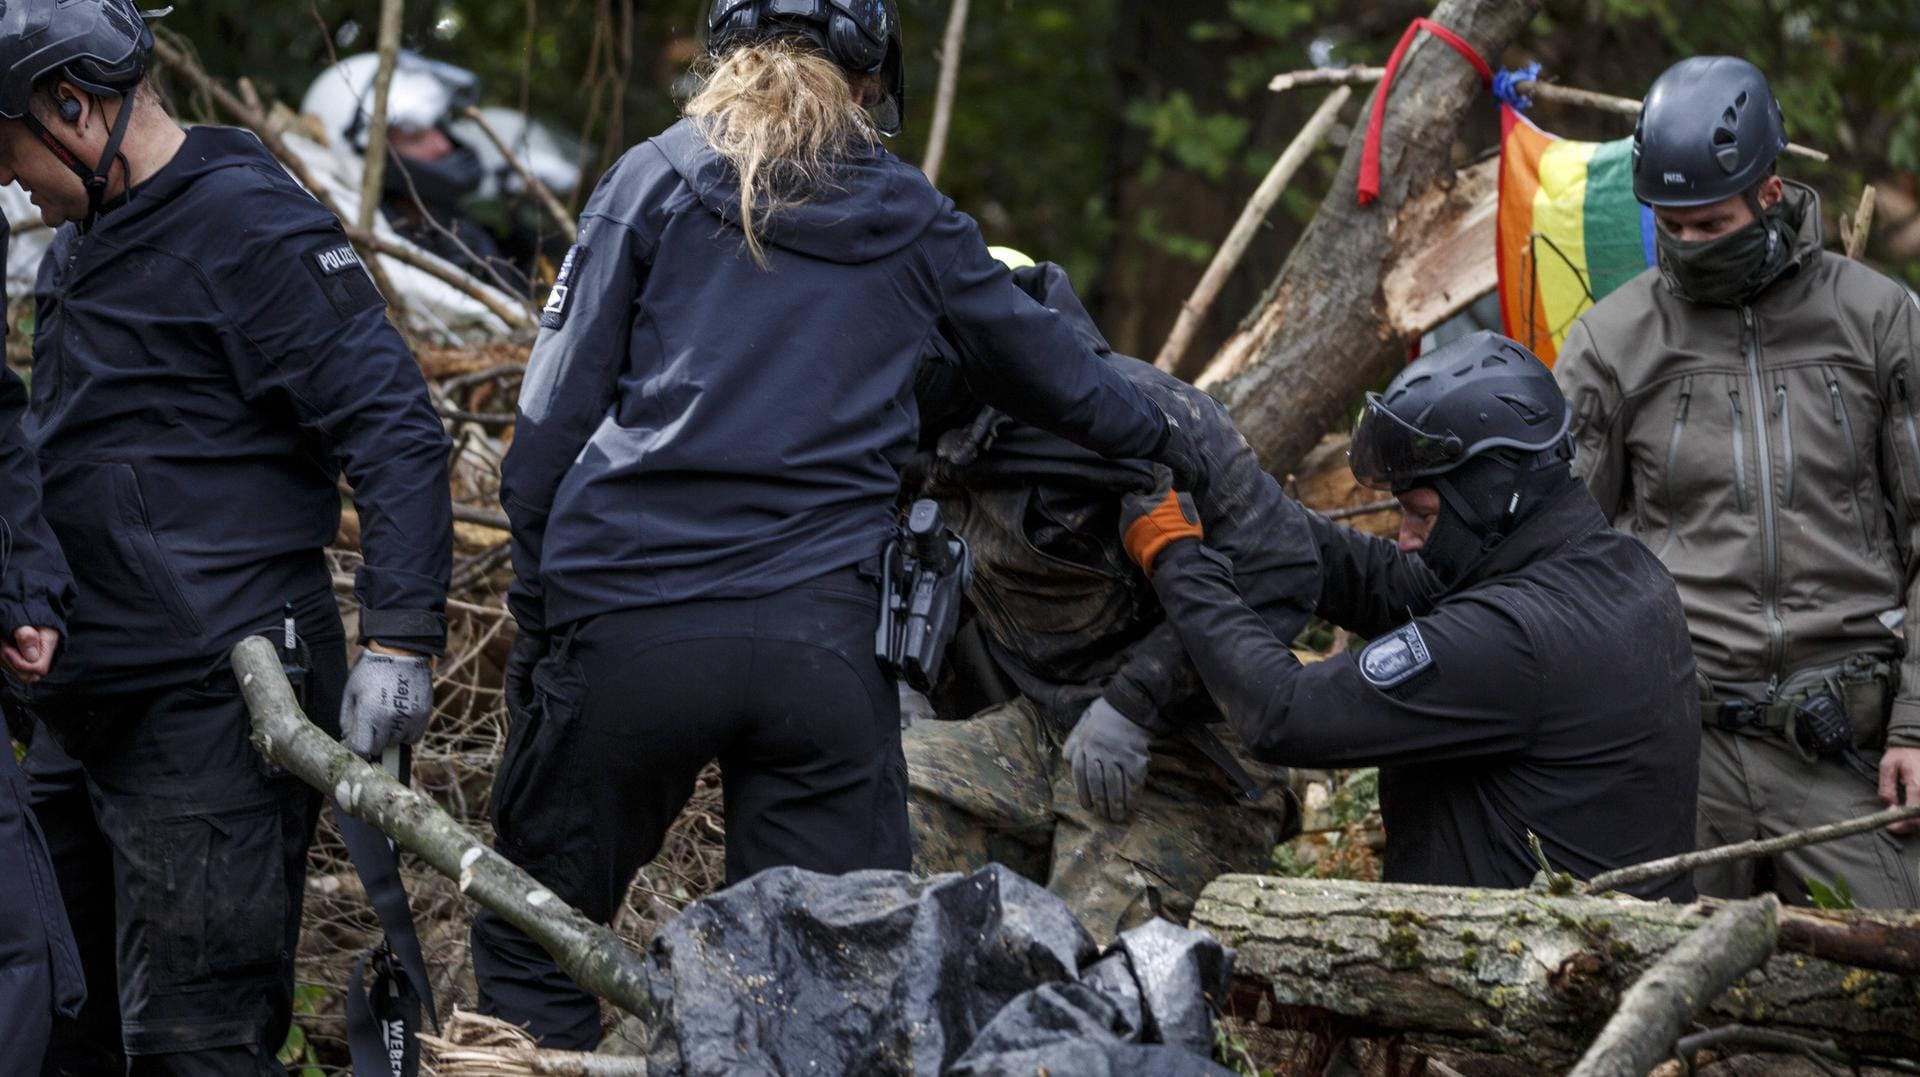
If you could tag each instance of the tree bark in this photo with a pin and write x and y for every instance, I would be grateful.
(1320, 337)
(1738, 939)
(588, 952)
(1514, 973)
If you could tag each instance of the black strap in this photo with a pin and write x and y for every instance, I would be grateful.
(94, 177)
(383, 1025)
(391, 1012)
(1214, 750)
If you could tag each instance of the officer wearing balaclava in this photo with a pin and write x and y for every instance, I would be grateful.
(1747, 411)
(1527, 673)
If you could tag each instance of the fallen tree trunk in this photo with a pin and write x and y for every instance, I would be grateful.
(1321, 335)
(1514, 973)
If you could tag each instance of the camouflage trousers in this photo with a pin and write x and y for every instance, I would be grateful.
(997, 788)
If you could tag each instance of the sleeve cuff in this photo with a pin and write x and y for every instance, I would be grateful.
(1136, 705)
(36, 611)
(1903, 724)
(415, 630)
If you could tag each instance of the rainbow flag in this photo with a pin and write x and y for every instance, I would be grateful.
(1570, 229)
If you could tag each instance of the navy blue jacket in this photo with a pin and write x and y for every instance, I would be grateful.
(208, 359)
(36, 588)
(693, 426)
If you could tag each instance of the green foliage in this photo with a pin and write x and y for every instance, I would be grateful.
(298, 1053)
(1836, 896)
(1203, 142)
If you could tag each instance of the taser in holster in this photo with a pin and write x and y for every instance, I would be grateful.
(924, 574)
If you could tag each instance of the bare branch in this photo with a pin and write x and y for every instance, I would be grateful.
(1738, 939)
(376, 156)
(588, 952)
(1194, 310)
(950, 47)
(1545, 91)
(1746, 850)
(540, 190)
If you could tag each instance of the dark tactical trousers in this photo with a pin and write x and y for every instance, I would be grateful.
(996, 788)
(182, 861)
(39, 967)
(784, 691)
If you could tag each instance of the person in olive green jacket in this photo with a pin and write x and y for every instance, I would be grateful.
(1747, 411)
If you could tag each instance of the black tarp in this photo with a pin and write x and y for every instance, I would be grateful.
(879, 973)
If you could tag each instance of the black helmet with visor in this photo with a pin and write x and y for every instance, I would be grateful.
(1477, 394)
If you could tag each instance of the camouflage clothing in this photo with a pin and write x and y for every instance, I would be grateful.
(996, 788)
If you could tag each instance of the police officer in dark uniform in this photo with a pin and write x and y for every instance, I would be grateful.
(39, 968)
(209, 357)
(1530, 670)
(703, 477)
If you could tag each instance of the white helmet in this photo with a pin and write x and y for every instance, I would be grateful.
(424, 94)
(552, 156)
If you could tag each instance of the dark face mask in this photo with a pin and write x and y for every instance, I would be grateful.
(1730, 270)
(441, 184)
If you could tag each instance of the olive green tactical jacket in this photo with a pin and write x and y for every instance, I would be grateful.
(1770, 455)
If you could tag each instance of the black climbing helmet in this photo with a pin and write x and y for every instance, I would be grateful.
(1709, 129)
(101, 46)
(1477, 394)
(862, 36)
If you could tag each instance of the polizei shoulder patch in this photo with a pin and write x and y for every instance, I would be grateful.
(1396, 658)
(560, 299)
(336, 266)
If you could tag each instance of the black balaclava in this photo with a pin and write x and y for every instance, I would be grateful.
(1483, 500)
(442, 183)
(1736, 267)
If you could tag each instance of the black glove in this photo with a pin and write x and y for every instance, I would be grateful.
(1182, 455)
(529, 647)
(1108, 753)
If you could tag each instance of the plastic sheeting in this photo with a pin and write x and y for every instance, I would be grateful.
(881, 973)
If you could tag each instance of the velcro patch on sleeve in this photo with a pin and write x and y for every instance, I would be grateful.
(1396, 658)
(560, 298)
(337, 268)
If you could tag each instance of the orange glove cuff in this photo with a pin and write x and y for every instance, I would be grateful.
(1164, 526)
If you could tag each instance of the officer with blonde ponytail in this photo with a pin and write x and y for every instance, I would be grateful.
(704, 471)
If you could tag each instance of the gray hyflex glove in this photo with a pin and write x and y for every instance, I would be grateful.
(1109, 754)
(389, 698)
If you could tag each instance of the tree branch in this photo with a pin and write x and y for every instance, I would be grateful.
(1738, 939)
(1746, 850)
(590, 953)
(1544, 91)
(1194, 310)
(950, 47)
(376, 155)
(540, 191)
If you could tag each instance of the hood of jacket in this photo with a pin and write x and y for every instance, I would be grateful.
(872, 205)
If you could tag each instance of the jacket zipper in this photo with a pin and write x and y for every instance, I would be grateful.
(1673, 454)
(1786, 439)
(1769, 541)
(1853, 455)
(1739, 451)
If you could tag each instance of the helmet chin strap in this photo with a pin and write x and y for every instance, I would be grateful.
(95, 178)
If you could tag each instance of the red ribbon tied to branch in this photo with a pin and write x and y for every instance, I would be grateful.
(1370, 153)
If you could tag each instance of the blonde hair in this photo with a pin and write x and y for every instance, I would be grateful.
(781, 114)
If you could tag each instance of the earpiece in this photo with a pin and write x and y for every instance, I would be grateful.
(69, 109)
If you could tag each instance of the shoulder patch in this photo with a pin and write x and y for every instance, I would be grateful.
(336, 267)
(560, 298)
(1396, 658)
